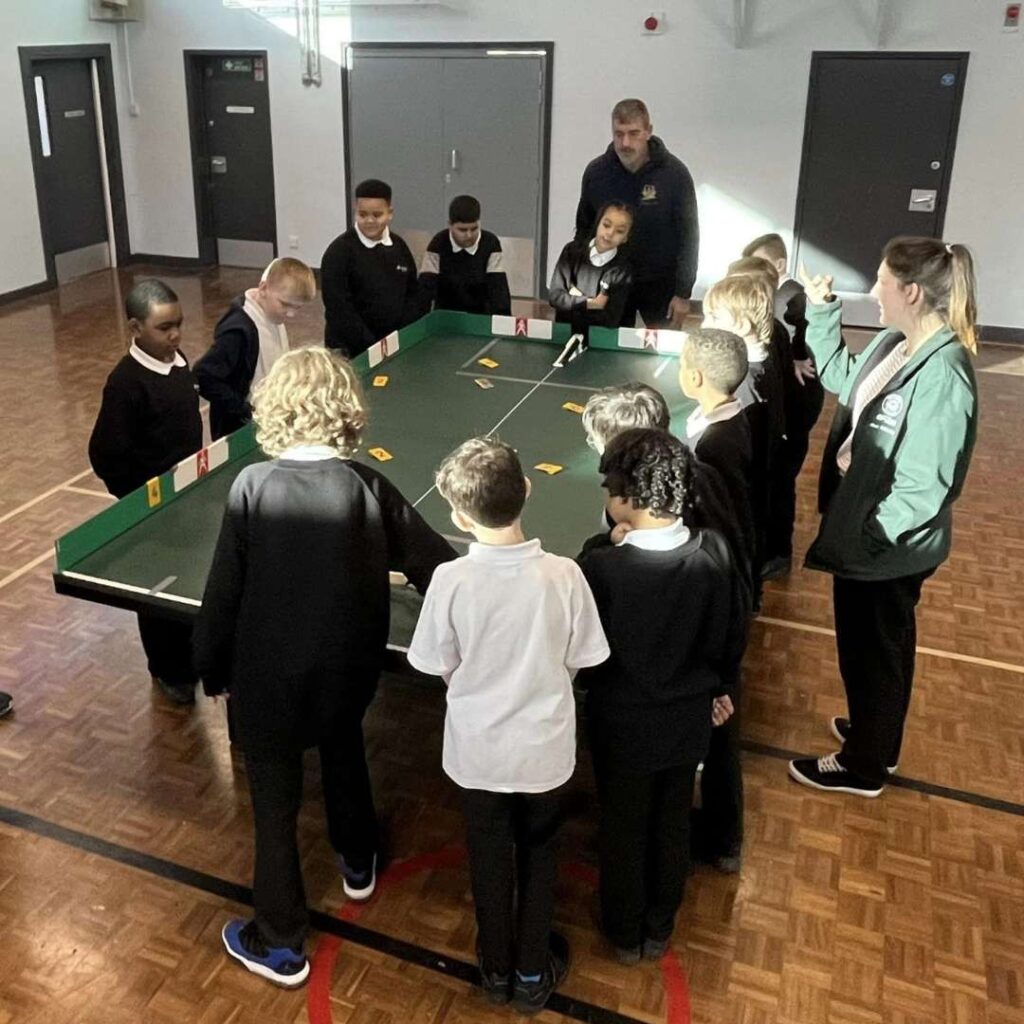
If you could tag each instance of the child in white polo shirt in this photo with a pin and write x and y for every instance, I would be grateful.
(507, 626)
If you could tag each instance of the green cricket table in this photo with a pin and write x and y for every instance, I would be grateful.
(153, 548)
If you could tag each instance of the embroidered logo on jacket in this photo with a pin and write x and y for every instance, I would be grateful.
(648, 194)
(893, 405)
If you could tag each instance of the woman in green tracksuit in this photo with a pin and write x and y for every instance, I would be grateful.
(894, 463)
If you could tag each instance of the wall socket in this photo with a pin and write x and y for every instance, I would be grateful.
(293, 241)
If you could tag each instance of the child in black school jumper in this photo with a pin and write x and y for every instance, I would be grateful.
(507, 626)
(667, 598)
(248, 339)
(293, 628)
(368, 276)
(744, 305)
(463, 266)
(712, 365)
(806, 402)
(149, 421)
(591, 281)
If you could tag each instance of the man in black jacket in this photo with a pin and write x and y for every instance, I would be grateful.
(636, 168)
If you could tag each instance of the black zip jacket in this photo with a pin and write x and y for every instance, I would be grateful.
(226, 370)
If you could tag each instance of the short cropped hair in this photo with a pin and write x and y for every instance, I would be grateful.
(629, 110)
(292, 276)
(652, 469)
(720, 356)
(464, 210)
(311, 396)
(146, 294)
(374, 188)
(483, 479)
(746, 298)
(612, 410)
(755, 266)
(771, 243)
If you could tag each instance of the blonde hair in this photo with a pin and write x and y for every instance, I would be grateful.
(311, 396)
(945, 274)
(292, 276)
(755, 266)
(745, 298)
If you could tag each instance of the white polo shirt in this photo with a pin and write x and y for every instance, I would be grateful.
(507, 627)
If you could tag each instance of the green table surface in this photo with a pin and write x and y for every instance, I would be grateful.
(430, 404)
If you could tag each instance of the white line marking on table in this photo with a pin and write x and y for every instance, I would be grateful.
(657, 372)
(160, 587)
(526, 380)
(42, 497)
(130, 588)
(487, 348)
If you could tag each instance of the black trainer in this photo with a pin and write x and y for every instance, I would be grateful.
(177, 693)
(826, 773)
(655, 949)
(496, 987)
(6, 704)
(530, 997)
(776, 568)
(841, 730)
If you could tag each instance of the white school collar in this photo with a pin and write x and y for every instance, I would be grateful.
(600, 259)
(310, 453)
(697, 422)
(661, 538)
(471, 249)
(155, 364)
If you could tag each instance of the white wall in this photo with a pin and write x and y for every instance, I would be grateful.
(734, 116)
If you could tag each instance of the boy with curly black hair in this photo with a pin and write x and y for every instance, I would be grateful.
(670, 603)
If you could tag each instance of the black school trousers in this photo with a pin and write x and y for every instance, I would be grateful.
(876, 637)
(643, 848)
(719, 824)
(168, 647)
(275, 787)
(650, 298)
(513, 863)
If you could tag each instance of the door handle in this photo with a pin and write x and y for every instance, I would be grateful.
(922, 200)
(454, 159)
(218, 165)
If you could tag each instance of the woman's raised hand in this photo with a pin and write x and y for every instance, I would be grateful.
(818, 288)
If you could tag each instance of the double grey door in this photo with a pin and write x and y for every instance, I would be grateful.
(437, 123)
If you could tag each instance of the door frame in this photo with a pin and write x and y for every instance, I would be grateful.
(206, 237)
(547, 79)
(818, 58)
(100, 52)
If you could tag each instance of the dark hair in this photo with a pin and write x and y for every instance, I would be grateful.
(772, 244)
(483, 479)
(651, 468)
(627, 111)
(945, 274)
(374, 188)
(464, 210)
(620, 407)
(720, 355)
(613, 204)
(146, 294)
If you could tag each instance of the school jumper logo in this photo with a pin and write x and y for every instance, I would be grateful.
(648, 194)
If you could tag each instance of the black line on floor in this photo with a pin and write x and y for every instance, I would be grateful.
(586, 1013)
(990, 803)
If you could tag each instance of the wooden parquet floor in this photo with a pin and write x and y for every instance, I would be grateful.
(904, 910)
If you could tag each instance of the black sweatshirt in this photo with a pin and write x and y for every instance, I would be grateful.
(226, 370)
(465, 281)
(675, 624)
(665, 239)
(148, 421)
(368, 293)
(574, 269)
(295, 616)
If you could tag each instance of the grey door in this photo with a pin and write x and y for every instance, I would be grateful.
(441, 122)
(878, 154)
(70, 180)
(235, 163)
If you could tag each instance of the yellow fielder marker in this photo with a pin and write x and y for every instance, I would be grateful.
(549, 467)
(491, 364)
(381, 381)
(153, 495)
(381, 454)
(573, 407)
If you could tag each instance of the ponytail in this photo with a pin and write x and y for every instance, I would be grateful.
(945, 274)
(963, 308)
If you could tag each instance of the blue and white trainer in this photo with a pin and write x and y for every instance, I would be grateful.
(286, 967)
